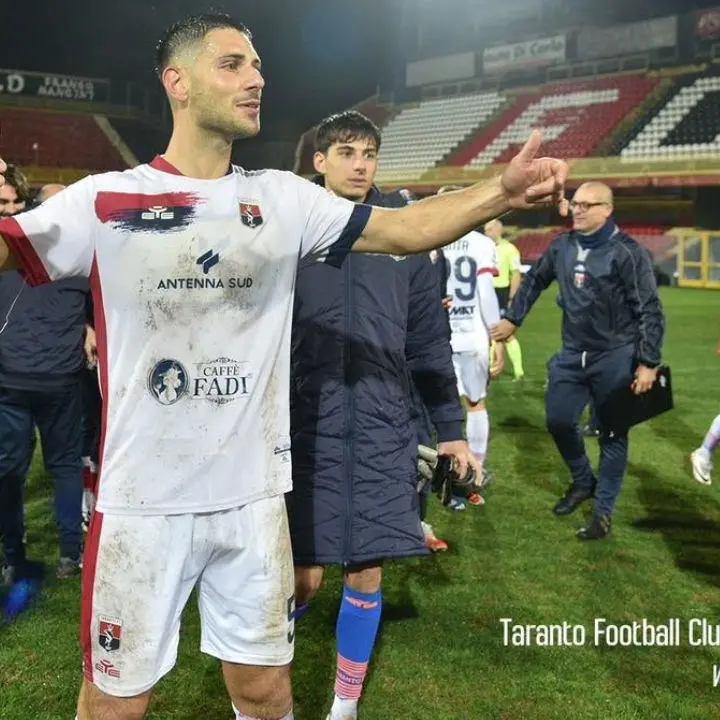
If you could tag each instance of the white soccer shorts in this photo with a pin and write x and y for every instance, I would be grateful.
(472, 370)
(139, 572)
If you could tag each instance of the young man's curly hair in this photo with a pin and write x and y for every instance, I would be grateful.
(16, 179)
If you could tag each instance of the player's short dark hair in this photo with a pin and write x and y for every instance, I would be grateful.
(191, 30)
(345, 127)
(15, 178)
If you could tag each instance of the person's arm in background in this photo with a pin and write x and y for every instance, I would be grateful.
(490, 313)
(90, 345)
(488, 303)
(538, 278)
(442, 276)
(429, 358)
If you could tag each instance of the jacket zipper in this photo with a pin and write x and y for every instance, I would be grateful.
(349, 445)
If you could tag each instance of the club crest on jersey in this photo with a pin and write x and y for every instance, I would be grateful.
(109, 634)
(251, 215)
(579, 276)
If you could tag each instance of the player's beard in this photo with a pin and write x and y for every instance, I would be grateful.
(213, 117)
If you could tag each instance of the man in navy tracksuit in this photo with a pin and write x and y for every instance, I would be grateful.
(613, 327)
(41, 363)
(362, 335)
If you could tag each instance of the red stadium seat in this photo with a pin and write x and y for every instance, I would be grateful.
(55, 139)
(532, 244)
(574, 117)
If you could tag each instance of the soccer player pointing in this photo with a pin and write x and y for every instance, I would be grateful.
(194, 458)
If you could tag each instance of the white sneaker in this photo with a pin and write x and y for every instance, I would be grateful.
(343, 710)
(702, 466)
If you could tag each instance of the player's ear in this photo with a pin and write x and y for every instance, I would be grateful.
(319, 162)
(176, 83)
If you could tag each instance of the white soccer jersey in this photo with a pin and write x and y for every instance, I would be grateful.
(193, 285)
(467, 259)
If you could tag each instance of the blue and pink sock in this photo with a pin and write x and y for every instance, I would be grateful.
(356, 632)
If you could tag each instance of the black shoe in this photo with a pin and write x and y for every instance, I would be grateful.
(572, 499)
(598, 528)
(27, 570)
(590, 432)
(68, 567)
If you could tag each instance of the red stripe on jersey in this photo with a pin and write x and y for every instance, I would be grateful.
(493, 271)
(20, 246)
(115, 206)
(93, 538)
(101, 335)
(160, 163)
(90, 556)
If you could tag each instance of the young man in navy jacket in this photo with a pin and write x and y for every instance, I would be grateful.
(363, 335)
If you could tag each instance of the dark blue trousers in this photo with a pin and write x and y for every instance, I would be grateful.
(593, 421)
(575, 379)
(57, 415)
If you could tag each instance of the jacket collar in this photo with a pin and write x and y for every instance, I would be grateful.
(600, 237)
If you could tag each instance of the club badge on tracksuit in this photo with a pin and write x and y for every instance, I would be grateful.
(579, 269)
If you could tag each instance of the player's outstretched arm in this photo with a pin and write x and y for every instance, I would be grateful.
(527, 182)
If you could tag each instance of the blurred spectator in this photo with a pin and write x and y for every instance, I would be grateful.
(15, 193)
(41, 364)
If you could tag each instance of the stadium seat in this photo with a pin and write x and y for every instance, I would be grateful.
(419, 137)
(687, 126)
(532, 244)
(574, 117)
(56, 139)
(660, 245)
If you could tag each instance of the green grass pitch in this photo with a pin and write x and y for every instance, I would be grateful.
(441, 654)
